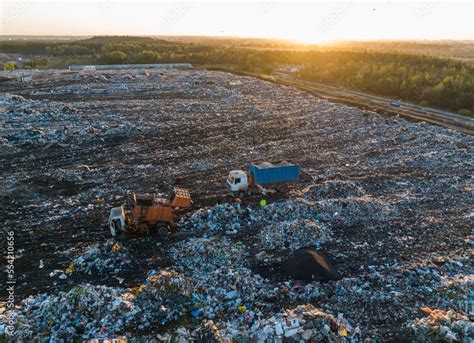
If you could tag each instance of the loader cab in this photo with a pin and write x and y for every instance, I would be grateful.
(237, 181)
(117, 221)
(143, 199)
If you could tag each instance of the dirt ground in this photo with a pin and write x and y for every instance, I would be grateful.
(75, 144)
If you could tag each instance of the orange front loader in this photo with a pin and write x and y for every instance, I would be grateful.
(149, 213)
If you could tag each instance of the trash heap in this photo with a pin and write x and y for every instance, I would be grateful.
(302, 323)
(442, 326)
(301, 291)
(89, 311)
(228, 293)
(293, 209)
(86, 311)
(101, 258)
(354, 211)
(222, 285)
(222, 217)
(165, 296)
(294, 234)
(345, 204)
(208, 254)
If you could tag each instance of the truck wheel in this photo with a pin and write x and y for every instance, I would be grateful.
(162, 229)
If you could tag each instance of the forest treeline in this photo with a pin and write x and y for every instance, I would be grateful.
(427, 80)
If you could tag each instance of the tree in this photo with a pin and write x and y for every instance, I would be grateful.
(465, 112)
(148, 56)
(10, 65)
(114, 57)
(35, 63)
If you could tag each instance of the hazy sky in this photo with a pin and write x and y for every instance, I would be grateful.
(303, 21)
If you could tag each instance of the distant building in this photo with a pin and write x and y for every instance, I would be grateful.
(88, 68)
(24, 78)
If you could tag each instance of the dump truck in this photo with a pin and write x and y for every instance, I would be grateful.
(240, 182)
(148, 212)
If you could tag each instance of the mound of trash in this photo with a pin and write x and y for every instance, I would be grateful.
(228, 293)
(288, 210)
(354, 211)
(221, 217)
(303, 323)
(442, 326)
(222, 284)
(89, 311)
(294, 234)
(208, 254)
(333, 189)
(167, 292)
(85, 311)
(101, 258)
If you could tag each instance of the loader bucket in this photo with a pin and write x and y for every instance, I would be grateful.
(180, 198)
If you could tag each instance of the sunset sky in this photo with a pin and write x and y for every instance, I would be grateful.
(302, 21)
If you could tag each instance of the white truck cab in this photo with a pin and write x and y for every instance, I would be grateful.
(237, 182)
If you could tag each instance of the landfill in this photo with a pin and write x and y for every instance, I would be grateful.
(302, 323)
(101, 258)
(220, 218)
(448, 326)
(386, 200)
(294, 234)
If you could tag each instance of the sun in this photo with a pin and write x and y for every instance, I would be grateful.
(309, 39)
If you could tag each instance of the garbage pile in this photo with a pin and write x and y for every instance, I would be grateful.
(102, 258)
(222, 284)
(48, 124)
(449, 285)
(228, 293)
(165, 296)
(220, 218)
(294, 234)
(293, 209)
(208, 254)
(85, 311)
(230, 218)
(302, 323)
(89, 311)
(354, 211)
(442, 326)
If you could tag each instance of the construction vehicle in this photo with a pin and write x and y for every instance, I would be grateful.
(149, 212)
(241, 183)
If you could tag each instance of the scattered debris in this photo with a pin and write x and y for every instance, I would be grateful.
(393, 199)
(442, 326)
(294, 234)
(101, 258)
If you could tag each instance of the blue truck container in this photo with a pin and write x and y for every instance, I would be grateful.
(266, 173)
